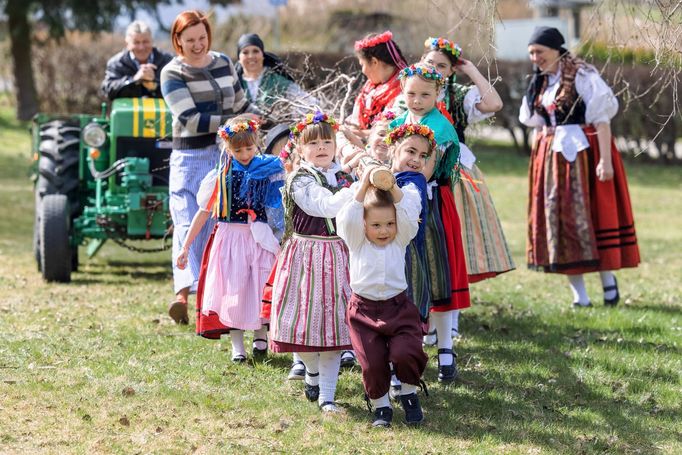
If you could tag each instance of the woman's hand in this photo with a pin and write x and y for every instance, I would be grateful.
(604, 170)
(465, 67)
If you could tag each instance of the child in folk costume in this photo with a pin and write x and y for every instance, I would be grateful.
(487, 252)
(242, 248)
(421, 84)
(411, 146)
(277, 143)
(311, 287)
(384, 324)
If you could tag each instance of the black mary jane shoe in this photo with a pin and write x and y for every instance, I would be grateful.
(239, 358)
(447, 373)
(614, 301)
(312, 392)
(257, 352)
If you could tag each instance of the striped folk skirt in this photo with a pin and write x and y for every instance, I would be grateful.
(457, 263)
(577, 224)
(416, 272)
(233, 274)
(486, 251)
(310, 295)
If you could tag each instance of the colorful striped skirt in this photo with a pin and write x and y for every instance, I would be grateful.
(486, 251)
(576, 223)
(234, 270)
(416, 272)
(460, 297)
(437, 263)
(310, 295)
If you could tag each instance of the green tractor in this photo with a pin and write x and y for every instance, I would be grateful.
(100, 178)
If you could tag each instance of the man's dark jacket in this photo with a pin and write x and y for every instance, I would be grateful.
(118, 80)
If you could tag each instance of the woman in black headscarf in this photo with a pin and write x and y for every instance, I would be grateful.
(580, 217)
(265, 79)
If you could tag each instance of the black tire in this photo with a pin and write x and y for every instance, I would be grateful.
(55, 250)
(36, 231)
(57, 172)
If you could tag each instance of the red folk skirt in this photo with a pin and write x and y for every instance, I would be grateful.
(576, 223)
(453, 240)
(207, 326)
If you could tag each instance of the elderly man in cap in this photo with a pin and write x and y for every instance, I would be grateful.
(135, 71)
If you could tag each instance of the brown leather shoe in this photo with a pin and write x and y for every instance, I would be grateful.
(177, 310)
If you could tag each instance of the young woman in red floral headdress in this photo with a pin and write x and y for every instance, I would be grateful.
(380, 59)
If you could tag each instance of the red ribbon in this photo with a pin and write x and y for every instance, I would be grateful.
(250, 213)
(468, 177)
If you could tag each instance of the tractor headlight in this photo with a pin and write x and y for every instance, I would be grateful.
(94, 135)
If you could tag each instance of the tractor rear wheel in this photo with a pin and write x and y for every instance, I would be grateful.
(56, 253)
(57, 174)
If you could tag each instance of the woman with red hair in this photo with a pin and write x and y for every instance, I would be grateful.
(202, 91)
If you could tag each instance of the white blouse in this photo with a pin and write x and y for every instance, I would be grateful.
(471, 99)
(378, 272)
(601, 105)
(316, 200)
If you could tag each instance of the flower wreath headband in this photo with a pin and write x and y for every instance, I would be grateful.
(426, 71)
(374, 40)
(411, 129)
(443, 44)
(226, 132)
(312, 119)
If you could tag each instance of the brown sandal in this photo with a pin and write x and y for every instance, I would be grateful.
(177, 310)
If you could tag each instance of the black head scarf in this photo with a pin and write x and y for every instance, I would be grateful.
(549, 37)
(270, 60)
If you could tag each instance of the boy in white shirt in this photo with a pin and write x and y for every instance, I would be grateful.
(384, 324)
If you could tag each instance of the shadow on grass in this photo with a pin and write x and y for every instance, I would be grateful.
(528, 406)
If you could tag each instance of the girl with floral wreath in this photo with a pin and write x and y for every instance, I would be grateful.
(311, 286)
(487, 252)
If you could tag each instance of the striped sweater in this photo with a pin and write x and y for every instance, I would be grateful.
(202, 99)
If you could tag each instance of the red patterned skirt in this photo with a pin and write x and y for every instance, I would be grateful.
(455, 252)
(576, 223)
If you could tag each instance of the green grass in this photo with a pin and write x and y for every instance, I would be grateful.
(96, 366)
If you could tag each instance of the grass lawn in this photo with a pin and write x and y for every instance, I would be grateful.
(96, 366)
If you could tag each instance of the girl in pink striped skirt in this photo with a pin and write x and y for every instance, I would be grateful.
(311, 287)
(242, 248)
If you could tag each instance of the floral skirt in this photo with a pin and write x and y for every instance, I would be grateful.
(309, 296)
(487, 253)
(576, 223)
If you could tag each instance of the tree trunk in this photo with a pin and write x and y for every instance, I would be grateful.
(20, 37)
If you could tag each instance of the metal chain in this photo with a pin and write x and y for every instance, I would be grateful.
(113, 235)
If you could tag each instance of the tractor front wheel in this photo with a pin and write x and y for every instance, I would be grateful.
(56, 254)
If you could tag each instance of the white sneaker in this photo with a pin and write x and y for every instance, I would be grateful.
(329, 407)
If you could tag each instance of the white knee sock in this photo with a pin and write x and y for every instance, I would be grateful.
(311, 360)
(577, 283)
(297, 357)
(442, 320)
(408, 389)
(394, 379)
(237, 338)
(330, 364)
(262, 334)
(455, 322)
(608, 279)
(382, 402)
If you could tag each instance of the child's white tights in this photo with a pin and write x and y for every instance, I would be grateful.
(442, 321)
(328, 364)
